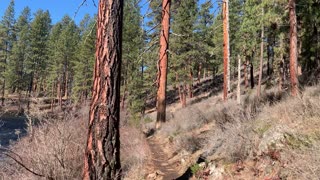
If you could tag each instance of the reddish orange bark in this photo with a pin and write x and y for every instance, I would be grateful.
(102, 157)
(293, 48)
(163, 63)
(225, 10)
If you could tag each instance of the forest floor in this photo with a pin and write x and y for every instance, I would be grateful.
(159, 161)
(271, 137)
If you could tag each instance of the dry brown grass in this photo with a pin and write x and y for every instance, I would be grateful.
(134, 153)
(54, 149)
(275, 122)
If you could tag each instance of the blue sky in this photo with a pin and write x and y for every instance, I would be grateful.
(57, 8)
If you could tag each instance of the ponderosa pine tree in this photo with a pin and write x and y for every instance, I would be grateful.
(204, 36)
(7, 38)
(217, 40)
(102, 157)
(151, 50)
(309, 22)
(163, 63)
(226, 50)
(67, 42)
(261, 56)
(183, 46)
(293, 48)
(36, 66)
(15, 74)
(54, 65)
(132, 71)
(82, 80)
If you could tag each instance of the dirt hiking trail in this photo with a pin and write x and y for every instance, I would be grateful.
(159, 163)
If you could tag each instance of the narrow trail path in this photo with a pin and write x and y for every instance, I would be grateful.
(160, 161)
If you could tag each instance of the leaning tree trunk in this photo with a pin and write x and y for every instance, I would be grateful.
(163, 63)
(226, 52)
(102, 156)
(293, 48)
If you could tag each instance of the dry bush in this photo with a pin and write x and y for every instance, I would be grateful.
(299, 119)
(134, 153)
(54, 149)
(184, 120)
(291, 125)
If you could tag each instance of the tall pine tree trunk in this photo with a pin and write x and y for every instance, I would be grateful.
(163, 63)
(293, 48)
(261, 60)
(239, 81)
(226, 50)
(102, 157)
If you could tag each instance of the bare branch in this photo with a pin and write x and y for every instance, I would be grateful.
(25, 167)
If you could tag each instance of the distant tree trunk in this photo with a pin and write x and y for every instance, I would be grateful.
(30, 91)
(239, 81)
(293, 48)
(52, 97)
(66, 84)
(261, 61)
(281, 75)
(268, 60)
(245, 73)
(281, 65)
(59, 96)
(163, 63)
(102, 156)
(178, 86)
(199, 72)
(190, 86)
(183, 94)
(3, 91)
(251, 75)
(204, 73)
(226, 50)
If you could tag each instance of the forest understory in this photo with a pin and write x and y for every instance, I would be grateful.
(162, 90)
(275, 136)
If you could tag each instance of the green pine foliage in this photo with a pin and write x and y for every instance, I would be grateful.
(132, 66)
(82, 67)
(183, 52)
(15, 74)
(6, 41)
(55, 60)
(39, 51)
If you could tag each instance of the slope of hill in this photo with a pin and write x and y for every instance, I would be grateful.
(274, 137)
